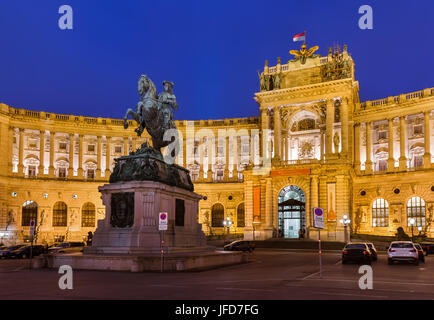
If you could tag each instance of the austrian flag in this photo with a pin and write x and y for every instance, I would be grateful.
(300, 37)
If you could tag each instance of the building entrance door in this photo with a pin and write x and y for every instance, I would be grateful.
(292, 216)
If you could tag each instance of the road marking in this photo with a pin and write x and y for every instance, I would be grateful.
(309, 276)
(375, 281)
(350, 294)
(244, 289)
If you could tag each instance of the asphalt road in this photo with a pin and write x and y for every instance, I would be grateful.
(276, 275)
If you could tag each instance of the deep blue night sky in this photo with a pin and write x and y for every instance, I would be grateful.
(210, 49)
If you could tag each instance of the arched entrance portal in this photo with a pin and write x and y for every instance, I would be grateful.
(292, 214)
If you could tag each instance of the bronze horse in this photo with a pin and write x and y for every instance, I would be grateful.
(149, 115)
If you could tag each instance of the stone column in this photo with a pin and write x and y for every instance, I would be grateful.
(283, 157)
(80, 157)
(107, 158)
(41, 168)
(344, 126)
(368, 164)
(184, 150)
(71, 156)
(427, 133)
(51, 167)
(322, 132)
(226, 173)
(98, 157)
(402, 136)
(391, 160)
(248, 194)
(330, 120)
(357, 147)
(269, 203)
(21, 153)
(201, 158)
(314, 201)
(134, 142)
(277, 133)
(235, 158)
(126, 151)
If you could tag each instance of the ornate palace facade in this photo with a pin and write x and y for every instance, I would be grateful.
(313, 145)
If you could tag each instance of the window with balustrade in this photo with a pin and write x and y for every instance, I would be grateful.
(416, 211)
(380, 213)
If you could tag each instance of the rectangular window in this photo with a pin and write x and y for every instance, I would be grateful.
(62, 172)
(418, 161)
(417, 129)
(382, 135)
(382, 165)
(90, 173)
(62, 146)
(91, 148)
(32, 171)
(118, 149)
(179, 212)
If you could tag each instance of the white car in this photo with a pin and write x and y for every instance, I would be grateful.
(402, 251)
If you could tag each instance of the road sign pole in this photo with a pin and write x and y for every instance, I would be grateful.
(320, 253)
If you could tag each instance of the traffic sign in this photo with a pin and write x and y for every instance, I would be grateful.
(162, 224)
(32, 227)
(318, 218)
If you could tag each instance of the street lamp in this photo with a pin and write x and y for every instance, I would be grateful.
(345, 221)
(411, 222)
(227, 223)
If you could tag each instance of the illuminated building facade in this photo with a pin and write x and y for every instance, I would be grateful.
(313, 145)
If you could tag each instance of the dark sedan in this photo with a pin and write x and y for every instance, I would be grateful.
(240, 245)
(427, 247)
(373, 251)
(26, 252)
(357, 252)
(4, 253)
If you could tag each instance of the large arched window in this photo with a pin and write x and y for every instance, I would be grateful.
(217, 215)
(30, 212)
(88, 215)
(416, 211)
(380, 213)
(240, 215)
(60, 214)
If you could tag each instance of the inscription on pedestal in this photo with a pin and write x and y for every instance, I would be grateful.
(122, 210)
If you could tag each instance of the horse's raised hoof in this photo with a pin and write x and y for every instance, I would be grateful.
(125, 124)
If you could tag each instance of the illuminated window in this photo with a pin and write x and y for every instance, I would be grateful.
(217, 215)
(62, 173)
(382, 165)
(30, 212)
(60, 211)
(91, 173)
(380, 213)
(32, 171)
(418, 161)
(416, 210)
(88, 215)
(240, 215)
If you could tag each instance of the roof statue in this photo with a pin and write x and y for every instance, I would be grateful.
(303, 54)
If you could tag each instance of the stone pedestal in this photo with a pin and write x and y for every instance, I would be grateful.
(132, 216)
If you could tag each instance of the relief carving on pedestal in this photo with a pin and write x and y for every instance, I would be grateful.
(122, 210)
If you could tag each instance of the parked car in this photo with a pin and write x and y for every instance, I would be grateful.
(67, 247)
(5, 252)
(356, 251)
(420, 252)
(373, 251)
(427, 247)
(240, 245)
(24, 252)
(402, 251)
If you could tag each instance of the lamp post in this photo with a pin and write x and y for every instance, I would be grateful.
(345, 221)
(227, 223)
(411, 222)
